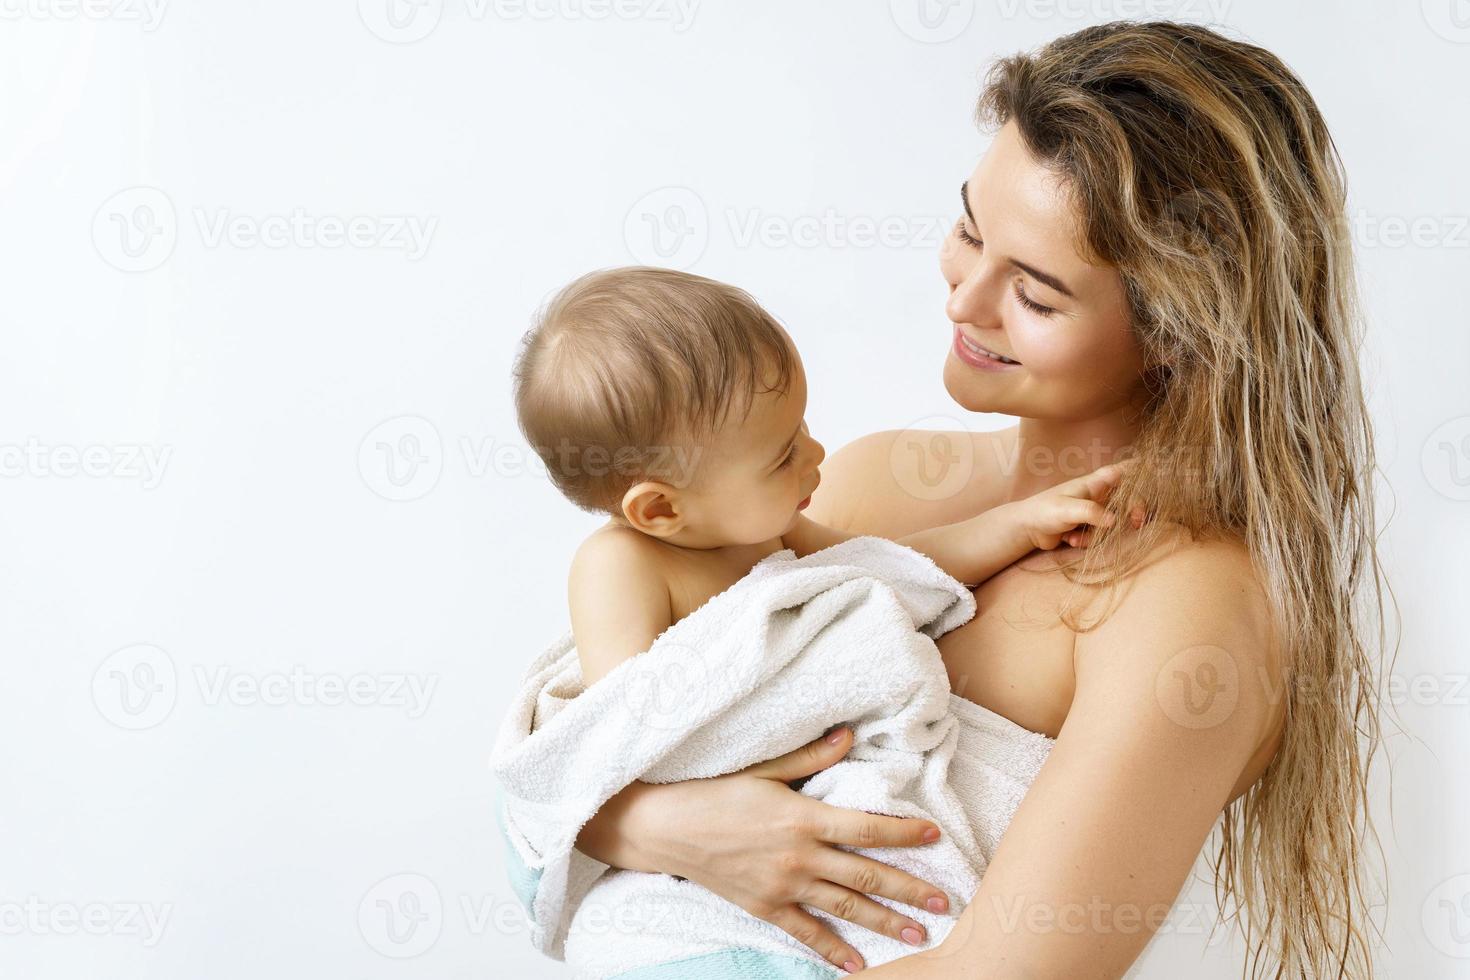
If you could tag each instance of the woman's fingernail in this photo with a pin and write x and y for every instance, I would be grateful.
(937, 904)
(836, 735)
(912, 936)
(851, 967)
(930, 835)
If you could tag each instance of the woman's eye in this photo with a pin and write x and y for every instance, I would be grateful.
(1030, 303)
(965, 236)
(789, 457)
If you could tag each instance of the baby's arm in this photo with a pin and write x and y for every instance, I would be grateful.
(973, 550)
(978, 548)
(619, 601)
(808, 537)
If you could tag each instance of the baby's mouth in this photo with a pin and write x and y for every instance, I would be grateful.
(806, 501)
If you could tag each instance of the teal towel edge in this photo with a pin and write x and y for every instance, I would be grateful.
(734, 964)
(523, 880)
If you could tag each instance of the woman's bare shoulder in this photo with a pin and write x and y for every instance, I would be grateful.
(1192, 569)
(898, 481)
(1195, 583)
(1194, 625)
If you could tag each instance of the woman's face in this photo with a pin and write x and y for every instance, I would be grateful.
(1019, 289)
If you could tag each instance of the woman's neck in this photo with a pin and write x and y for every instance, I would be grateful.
(1047, 452)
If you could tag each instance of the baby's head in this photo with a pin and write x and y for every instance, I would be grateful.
(671, 402)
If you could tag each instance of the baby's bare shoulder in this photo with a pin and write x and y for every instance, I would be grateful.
(618, 557)
(619, 599)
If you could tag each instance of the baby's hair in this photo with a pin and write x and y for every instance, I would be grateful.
(623, 365)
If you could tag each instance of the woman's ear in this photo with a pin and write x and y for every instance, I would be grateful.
(654, 508)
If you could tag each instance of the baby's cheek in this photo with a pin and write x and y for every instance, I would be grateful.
(767, 504)
(778, 504)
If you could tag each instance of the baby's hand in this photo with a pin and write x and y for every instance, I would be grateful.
(1067, 512)
(975, 549)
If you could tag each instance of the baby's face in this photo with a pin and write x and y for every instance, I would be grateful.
(759, 473)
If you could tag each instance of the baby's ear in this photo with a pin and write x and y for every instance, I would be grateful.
(654, 508)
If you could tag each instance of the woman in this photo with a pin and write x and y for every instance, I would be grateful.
(1154, 248)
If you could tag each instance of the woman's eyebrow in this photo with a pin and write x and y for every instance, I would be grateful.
(1045, 278)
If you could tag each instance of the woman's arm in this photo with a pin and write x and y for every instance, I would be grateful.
(1177, 711)
(751, 839)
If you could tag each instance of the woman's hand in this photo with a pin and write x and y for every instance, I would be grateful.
(751, 839)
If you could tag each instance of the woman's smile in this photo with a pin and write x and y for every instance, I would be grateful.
(980, 357)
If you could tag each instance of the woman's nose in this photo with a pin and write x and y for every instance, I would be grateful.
(971, 300)
(818, 454)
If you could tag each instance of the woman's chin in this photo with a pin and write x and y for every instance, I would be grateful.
(973, 391)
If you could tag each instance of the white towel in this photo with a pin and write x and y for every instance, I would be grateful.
(796, 647)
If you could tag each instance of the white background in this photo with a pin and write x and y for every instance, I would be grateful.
(281, 387)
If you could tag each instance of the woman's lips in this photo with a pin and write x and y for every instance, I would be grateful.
(804, 504)
(980, 357)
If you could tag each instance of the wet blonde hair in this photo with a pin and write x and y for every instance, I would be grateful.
(1203, 171)
(623, 365)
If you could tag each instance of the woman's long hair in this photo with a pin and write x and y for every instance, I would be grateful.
(1203, 171)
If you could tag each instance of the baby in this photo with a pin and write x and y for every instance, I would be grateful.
(675, 405)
